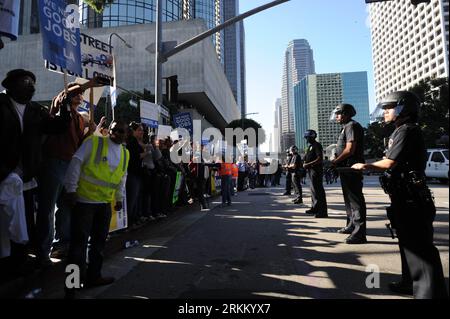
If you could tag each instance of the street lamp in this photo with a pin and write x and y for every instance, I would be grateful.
(110, 39)
(243, 117)
(110, 52)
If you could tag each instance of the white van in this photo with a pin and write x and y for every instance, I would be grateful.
(437, 164)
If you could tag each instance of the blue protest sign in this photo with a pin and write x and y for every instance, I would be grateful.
(61, 37)
(184, 120)
(9, 18)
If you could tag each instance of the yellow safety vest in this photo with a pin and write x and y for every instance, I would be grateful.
(97, 181)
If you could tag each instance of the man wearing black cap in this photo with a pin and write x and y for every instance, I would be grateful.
(22, 126)
(349, 151)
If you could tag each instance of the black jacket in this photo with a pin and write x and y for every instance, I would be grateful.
(26, 146)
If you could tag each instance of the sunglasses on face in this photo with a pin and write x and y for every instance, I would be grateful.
(119, 131)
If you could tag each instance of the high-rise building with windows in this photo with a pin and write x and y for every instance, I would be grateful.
(317, 95)
(298, 62)
(277, 127)
(409, 43)
(234, 53)
(129, 12)
(229, 43)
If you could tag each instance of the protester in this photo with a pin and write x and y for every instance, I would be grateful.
(25, 134)
(58, 151)
(135, 174)
(94, 180)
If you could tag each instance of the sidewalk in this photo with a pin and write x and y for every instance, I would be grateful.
(43, 281)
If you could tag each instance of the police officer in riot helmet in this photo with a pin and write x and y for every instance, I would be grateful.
(314, 167)
(295, 167)
(412, 209)
(350, 150)
(288, 173)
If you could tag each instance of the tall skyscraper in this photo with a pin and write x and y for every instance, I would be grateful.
(298, 62)
(317, 95)
(243, 71)
(277, 127)
(234, 53)
(409, 43)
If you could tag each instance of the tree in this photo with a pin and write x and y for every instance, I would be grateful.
(248, 123)
(375, 139)
(434, 115)
(98, 5)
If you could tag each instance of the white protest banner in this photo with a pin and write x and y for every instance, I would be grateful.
(96, 60)
(119, 219)
(149, 113)
(174, 135)
(164, 131)
(9, 18)
(113, 87)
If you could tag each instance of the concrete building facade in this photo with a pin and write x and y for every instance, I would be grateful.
(409, 43)
(202, 82)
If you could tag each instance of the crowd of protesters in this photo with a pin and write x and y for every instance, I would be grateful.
(62, 173)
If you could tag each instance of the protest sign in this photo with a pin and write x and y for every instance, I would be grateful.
(164, 131)
(61, 39)
(119, 219)
(149, 113)
(184, 120)
(95, 60)
(9, 18)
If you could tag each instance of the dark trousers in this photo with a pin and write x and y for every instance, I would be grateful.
(421, 261)
(89, 220)
(355, 204)
(297, 183)
(226, 184)
(240, 184)
(160, 193)
(288, 182)
(318, 197)
(200, 184)
(134, 189)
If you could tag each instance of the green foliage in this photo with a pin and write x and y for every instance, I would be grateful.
(434, 118)
(434, 115)
(375, 139)
(98, 5)
(247, 123)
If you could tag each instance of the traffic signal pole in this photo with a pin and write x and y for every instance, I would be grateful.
(161, 57)
(158, 54)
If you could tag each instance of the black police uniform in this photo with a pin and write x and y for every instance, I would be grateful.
(315, 174)
(412, 218)
(352, 183)
(297, 177)
(289, 176)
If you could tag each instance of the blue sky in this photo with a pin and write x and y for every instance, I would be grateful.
(337, 31)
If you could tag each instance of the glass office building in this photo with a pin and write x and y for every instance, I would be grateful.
(129, 12)
(317, 95)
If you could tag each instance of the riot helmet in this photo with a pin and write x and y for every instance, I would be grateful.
(346, 109)
(405, 104)
(310, 134)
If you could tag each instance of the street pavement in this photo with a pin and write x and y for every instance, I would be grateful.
(264, 246)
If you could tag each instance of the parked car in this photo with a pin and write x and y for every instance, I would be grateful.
(437, 164)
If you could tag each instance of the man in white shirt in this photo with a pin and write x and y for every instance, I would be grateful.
(94, 180)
